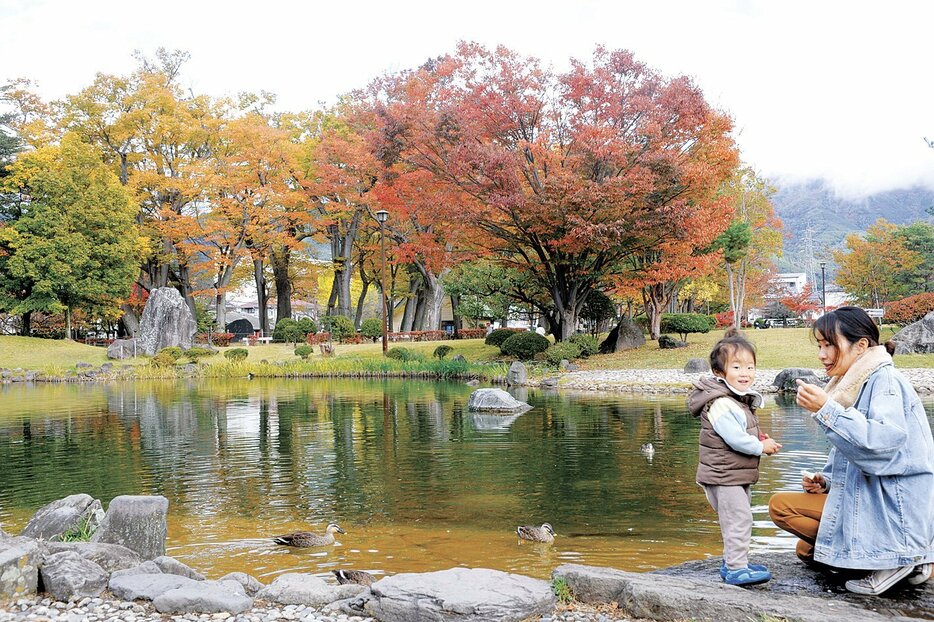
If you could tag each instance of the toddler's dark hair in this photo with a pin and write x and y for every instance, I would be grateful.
(731, 343)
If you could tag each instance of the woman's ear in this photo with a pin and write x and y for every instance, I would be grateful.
(862, 345)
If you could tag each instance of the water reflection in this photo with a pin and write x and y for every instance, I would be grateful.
(418, 482)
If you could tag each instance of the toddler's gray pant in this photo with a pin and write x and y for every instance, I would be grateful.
(733, 505)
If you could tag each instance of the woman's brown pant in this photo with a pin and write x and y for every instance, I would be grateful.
(799, 513)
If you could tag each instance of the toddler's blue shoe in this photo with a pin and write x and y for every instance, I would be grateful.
(757, 567)
(746, 576)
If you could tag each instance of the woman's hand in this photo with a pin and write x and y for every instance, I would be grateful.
(810, 396)
(814, 485)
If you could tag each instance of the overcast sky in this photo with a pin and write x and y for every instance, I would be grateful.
(818, 89)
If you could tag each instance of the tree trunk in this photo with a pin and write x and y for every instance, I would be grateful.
(27, 324)
(184, 281)
(129, 320)
(433, 296)
(411, 302)
(420, 309)
(342, 257)
(68, 323)
(358, 316)
(280, 259)
(262, 298)
(458, 322)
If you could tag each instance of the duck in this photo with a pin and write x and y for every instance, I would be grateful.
(359, 577)
(545, 533)
(648, 450)
(306, 538)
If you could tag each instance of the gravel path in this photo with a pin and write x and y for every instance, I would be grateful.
(673, 381)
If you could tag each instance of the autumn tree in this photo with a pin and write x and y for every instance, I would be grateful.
(801, 303)
(73, 244)
(874, 265)
(565, 175)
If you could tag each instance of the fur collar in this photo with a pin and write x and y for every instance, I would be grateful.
(845, 389)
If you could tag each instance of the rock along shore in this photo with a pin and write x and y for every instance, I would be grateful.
(674, 381)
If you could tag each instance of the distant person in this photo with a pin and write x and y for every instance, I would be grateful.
(730, 446)
(540, 330)
(872, 505)
(489, 328)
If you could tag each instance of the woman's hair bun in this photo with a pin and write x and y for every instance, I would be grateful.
(890, 347)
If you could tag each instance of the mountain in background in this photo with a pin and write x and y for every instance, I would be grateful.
(817, 221)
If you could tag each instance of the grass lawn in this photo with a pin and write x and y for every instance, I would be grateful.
(777, 348)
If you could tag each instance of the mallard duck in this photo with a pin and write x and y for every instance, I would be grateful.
(354, 576)
(545, 533)
(306, 538)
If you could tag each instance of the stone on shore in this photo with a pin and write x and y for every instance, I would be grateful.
(251, 584)
(145, 586)
(170, 565)
(68, 576)
(121, 349)
(306, 589)
(463, 594)
(518, 375)
(110, 557)
(19, 567)
(136, 522)
(786, 380)
(61, 515)
(917, 337)
(625, 336)
(204, 597)
(495, 400)
(697, 366)
(167, 321)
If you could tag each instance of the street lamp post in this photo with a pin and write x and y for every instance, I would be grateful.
(381, 217)
(823, 288)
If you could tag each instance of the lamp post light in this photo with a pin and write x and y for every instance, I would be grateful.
(823, 288)
(381, 217)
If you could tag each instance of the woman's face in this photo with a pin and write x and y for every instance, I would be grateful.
(837, 359)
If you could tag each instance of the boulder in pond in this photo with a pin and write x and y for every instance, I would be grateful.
(297, 588)
(785, 381)
(62, 515)
(517, 375)
(136, 522)
(463, 594)
(167, 321)
(68, 576)
(625, 336)
(917, 337)
(494, 400)
(19, 567)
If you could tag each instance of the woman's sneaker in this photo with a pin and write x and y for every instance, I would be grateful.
(757, 567)
(920, 574)
(746, 576)
(879, 581)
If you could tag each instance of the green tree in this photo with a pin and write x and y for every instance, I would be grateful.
(919, 238)
(75, 243)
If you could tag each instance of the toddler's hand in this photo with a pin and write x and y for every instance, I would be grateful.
(769, 446)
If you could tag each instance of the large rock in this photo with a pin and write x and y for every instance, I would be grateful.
(795, 593)
(167, 321)
(917, 337)
(786, 379)
(204, 597)
(62, 515)
(517, 375)
(136, 522)
(146, 586)
(306, 589)
(462, 594)
(697, 366)
(251, 584)
(123, 349)
(495, 400)
(625, 336)
(68, 576)
(170, 565)
(110, 557)
(19, 567)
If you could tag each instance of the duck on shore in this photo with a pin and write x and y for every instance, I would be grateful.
(545, 533)
(360, 577)
(306, 538)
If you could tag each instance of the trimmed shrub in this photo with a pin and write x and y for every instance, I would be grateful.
(910, 309)
(402, 354)
(163, 359)
(524, 345)
(340, 326)
(174, 351)
(304, 351)
(442, 351)
(236, 354)
(195, 353)
(686, 323)
(587, 344)
(498, 336)
(567, 350)
(308, 326)
(288, 330)
(372, 328)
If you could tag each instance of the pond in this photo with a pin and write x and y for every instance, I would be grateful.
(417, 482)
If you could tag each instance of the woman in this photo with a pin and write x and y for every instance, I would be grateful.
(872, 506)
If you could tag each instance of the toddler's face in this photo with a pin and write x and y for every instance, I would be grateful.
(740, 370)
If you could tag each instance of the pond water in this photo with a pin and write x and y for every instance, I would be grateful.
(417, 482)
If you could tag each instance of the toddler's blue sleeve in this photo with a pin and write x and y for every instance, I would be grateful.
(725, 417)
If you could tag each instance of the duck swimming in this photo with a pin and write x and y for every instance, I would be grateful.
(306, 538)
(545, 533)
(359, 577)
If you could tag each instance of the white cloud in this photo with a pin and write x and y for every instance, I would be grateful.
(831, 89)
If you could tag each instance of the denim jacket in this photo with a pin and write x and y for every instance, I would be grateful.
(879, 511)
